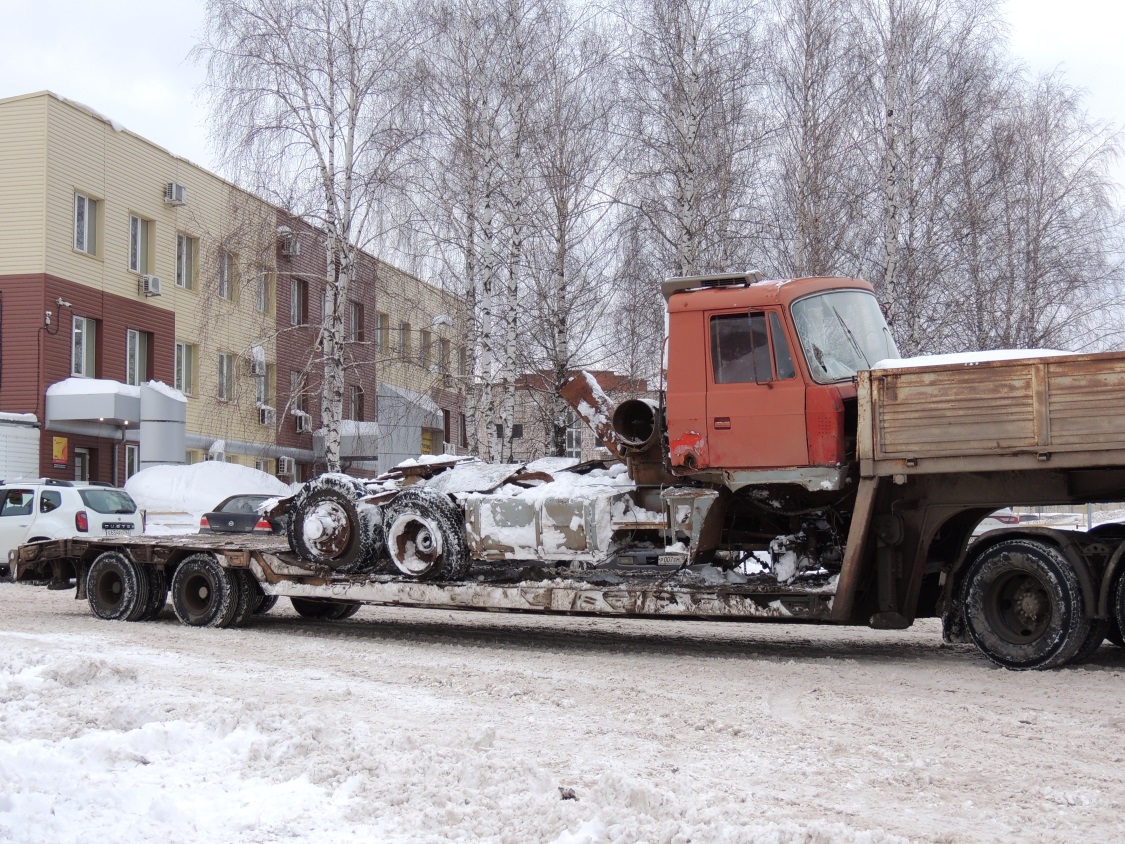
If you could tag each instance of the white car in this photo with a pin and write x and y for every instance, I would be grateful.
(50, 509)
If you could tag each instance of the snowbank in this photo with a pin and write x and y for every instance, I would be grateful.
(198, 488)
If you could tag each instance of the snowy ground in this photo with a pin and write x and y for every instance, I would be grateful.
(420, 726)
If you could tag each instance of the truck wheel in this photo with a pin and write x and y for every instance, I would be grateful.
(1024, 607)
(204, 594)
(157, 593)
(115, 588)
(327, 527)
(265, 604)
(247, 598)
(1118, 605)
(1099, 627)
(425, 535)
(324, 609)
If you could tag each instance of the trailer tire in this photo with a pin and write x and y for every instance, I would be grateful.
(1113, 635)
(246, 600)
(265, 603)
(204, 594)
(1024, 607)
(425, 535)
(157, 593)
(1118, 612)
(324, 609)
(115, 588)
(1099, 629)
(327, 527)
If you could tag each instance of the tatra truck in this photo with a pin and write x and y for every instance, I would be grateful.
(789, 469)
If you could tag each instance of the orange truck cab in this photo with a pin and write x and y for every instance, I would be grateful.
(761, 375)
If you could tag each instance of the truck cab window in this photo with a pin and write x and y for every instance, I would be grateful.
(842, 332)
(740, 349)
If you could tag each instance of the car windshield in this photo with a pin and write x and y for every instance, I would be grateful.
(242, 504)
(842, 332)
(108, 500)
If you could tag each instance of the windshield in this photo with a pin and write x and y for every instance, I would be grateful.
(842, 332)
(108, 500)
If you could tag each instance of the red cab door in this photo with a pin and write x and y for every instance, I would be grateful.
(755, 399)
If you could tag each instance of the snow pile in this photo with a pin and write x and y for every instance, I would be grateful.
(90, 386)
(19, 418)
(196, 489)
(164, 389)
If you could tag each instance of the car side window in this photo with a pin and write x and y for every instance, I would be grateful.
(49, 500)
(17, 502)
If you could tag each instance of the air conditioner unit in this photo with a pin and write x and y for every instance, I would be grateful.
(290, 245)
(150, 285)
(175, 194)
(267, 416)
(286, 465)
(257, 367)
(303, 422)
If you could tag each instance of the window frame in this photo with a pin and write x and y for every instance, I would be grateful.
(262, 292)
(228, 274)
(133, 456)
(183, 374)
(140, 244)
(89, 355)
(298, 302)
(89, 229)
(136, 356)
(187, 259)
(225, 391)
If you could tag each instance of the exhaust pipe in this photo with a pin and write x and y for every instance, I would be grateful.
(637, 423)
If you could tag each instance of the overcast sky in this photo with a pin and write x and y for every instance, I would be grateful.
(128, 59)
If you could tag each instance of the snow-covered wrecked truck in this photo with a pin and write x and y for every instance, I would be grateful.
(792, 469)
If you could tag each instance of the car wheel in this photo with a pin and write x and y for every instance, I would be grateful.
(204, 594)
(425, 535)
(1024, 607)
(115, 588)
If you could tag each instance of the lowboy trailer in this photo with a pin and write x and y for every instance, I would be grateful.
(792, 469)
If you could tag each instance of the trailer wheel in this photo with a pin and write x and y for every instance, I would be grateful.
(426, 535)
(204, 594)
(265, 604)
(1099, 629)
(157, 593)
(247, 598)
(1113, 634)
(327, 527)
(115, 588)
(324, 609)
(1024, 607)
(1118, 610)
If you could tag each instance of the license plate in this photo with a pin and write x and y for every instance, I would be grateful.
(119, 532)
(670, 560)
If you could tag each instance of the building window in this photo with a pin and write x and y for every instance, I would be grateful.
(355, 322)
(425, 347)
(185, 368)
(136, 357)
(464, 430)
(297, 392)
(446, 419)
(443, 360)
(227, 267)
(85, 224)
(262, 386)
(573, 436)
(355, 402)
(132, 460)
(226, 377)
(83, 347)
(262, 299)
(462, 361)
(298, 302)
(382, 331)
(140, 235)
(187, 248)
(404, 338)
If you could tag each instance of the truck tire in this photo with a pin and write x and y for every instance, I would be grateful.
(425, 535)
(1024, 607)
(204, 594)
(157, 592)
(265, 604)
(324, 609)
(1118, 609)
(327, 527)
(247, 598)
(1099, 628)
(116, 589)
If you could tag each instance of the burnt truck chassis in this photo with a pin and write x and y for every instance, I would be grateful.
(272, 569)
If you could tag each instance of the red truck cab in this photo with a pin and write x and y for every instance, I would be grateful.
(759, 371)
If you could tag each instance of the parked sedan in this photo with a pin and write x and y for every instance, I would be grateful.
(239, 514)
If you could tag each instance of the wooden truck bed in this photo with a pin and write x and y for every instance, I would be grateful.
(1066, 412)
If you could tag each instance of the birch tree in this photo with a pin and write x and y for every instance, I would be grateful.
(307, 106)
